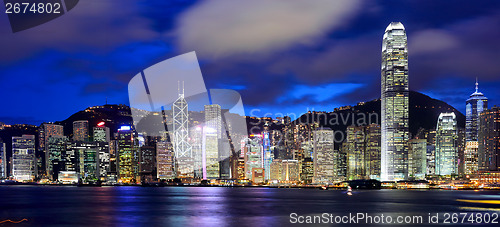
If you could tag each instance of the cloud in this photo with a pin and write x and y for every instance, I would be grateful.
(223, 28)
(432, 40)
(97, 26)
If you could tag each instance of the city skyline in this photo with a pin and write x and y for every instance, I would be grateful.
(343, 69)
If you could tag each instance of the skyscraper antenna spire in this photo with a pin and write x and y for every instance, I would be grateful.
(477, 85)
(183, 88)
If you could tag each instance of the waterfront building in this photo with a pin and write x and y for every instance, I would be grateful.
(45, 131)
(446, 145)
(489, 142)
(395, 104)
(23, 158)
(471, 164)
(165, 160)
(56, 149)
(146, 163)
(325, 160)
(373, 150)
(127, 155)
(253, 150)
(417, 154)
(307, 173)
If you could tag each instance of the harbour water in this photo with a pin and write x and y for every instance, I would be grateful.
(225, 206)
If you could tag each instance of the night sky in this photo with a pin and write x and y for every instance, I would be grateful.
(282, 56)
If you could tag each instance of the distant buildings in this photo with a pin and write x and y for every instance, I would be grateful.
(489, 142)
(23, 158)
(395, 104)
(446, 145)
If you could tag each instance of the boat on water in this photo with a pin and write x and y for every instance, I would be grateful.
(349, 190)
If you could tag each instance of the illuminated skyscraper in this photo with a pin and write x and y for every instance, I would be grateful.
(253, 150)
(446, 144)
(395, 104)
(56, 149)
(489, 142)
(417, 155)
(325, 158)
(475, 105)
(101, 133)
(182, 149)
(127, 155)
(45, 132)
(213, 119)
(165, 160)
(355, 148)
(372, 154)
(81, 130)
(471, 157)
(23, 157)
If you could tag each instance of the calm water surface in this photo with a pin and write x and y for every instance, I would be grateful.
(217, 206)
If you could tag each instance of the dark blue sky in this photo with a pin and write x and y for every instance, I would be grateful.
(282, 56)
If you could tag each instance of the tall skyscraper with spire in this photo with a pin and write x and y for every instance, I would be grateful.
(395, 104)
(182, 148)
(474, 106)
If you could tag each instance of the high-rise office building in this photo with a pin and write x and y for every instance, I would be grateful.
(254, 159)
(210, 155)
(81, 130)
(182, 149)
(395, 103)
(325, 160)
(213, 119)
(23, 157)
(489, 142)
(290, 171)
(372, 154)
(56, 149)
(196, 142)
(127, 155)
(45, 132)
(146, 163)
(307, 170)
(83, 158)
(355, 148)
(475, 105)
(471, 164)
(165, 160)
(417, 155)
(446, 145)
(101, 133)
